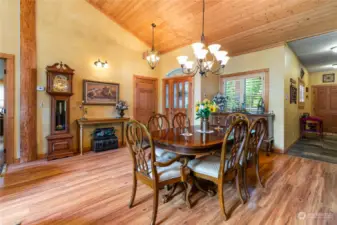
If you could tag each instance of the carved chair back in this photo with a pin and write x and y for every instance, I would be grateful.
(257, 133)
(231, 154)
(234, 116)
(139, 139)
(158, 122)
(179, 120)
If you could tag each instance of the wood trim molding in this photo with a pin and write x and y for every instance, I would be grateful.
(135, 77)
(28, 80)
(266, 82)
(9, 84)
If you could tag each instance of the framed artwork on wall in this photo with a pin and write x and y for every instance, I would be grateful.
(100, 93)
(328, 78)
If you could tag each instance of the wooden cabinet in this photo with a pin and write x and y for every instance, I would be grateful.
(59, 87)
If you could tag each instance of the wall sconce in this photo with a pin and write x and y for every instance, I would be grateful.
(100, 64)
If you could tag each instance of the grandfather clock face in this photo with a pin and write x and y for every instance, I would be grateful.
(60, 83)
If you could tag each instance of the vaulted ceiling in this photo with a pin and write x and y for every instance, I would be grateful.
(238, 25)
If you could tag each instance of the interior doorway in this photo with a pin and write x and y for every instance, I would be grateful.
(178, 96)
(145, 98)
(7, 82)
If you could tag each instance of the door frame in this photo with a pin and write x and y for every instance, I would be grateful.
(135, 77)
(192, 92)
(9, 83)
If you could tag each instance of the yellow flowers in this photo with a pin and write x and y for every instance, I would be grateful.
(205, 108)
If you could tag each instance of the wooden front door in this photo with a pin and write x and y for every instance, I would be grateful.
(178, 96)
(145, 98)
(324, 105)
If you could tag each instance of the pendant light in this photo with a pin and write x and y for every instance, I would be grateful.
(152, 56)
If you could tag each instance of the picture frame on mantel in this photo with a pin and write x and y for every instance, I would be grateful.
(100, 93)
(328, 78)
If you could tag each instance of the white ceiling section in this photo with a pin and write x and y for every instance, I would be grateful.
(315, 52)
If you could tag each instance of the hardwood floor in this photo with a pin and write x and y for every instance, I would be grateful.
(96, 188)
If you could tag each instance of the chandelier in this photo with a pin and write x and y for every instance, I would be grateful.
(218, 59)
(152, 56)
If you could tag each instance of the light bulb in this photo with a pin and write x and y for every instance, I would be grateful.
(201, 54)
(106, 65)
(189, 64)
(214, 48)
(225, 60)
(98, 63)
(220, 55)
(197, 46)
(182, 59)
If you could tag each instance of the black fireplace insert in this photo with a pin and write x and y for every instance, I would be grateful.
(104, 139)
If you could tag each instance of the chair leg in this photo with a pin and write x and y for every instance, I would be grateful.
(257, 169)
(221, 200)
(244, 178)
(134, 189)
(155, 206)
(238, 186)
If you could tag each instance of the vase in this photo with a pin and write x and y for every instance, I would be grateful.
(204, 124)
(121, 113)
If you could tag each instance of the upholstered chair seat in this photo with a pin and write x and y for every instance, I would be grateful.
(207, 165)
(166, 173)
(164, 154)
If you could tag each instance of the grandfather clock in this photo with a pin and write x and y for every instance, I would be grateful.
(59, 87)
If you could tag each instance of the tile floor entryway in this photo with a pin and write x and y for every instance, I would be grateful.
(314, 148)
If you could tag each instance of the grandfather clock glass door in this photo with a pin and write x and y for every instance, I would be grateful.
(61, 105)
(178, 94)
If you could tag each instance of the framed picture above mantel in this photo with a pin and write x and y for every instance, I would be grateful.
(100, 93)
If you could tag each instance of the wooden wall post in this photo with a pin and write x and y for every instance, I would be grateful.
(28, 131)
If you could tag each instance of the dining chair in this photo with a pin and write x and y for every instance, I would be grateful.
(154, 173)
(159, 122)
(256, 134)
(179, 120)
(214, 168)
(233, 116)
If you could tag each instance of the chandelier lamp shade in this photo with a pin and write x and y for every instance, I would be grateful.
(208, 59)
(152, 57)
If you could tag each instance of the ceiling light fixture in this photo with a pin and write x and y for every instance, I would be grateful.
(334, 66)
(152, 56)
(334, 49)
(218, 58)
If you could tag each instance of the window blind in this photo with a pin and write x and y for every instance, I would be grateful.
(247, 90)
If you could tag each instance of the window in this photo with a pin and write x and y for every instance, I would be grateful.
(246, 90)
(301, 94)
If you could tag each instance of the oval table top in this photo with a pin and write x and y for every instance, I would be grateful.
(196, 144)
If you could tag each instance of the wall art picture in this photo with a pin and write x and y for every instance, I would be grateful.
(100, 93)
(328, 78)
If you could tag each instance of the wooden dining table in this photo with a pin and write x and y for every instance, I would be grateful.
(189, 146)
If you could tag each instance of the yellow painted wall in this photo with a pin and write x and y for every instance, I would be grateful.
(78, 34)
(291, 111)
(316, 78)
(273, 59)
(10, 44)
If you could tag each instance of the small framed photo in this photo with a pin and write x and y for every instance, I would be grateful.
(328, 78)
(100, 93)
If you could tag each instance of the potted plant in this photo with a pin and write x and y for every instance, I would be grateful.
(120, 107)
(220, 101)
(203, 111)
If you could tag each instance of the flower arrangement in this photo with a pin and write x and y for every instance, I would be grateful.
(220, 101)
(121, 105)
(205, 108)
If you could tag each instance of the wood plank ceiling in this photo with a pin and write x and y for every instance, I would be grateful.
(238, 25)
